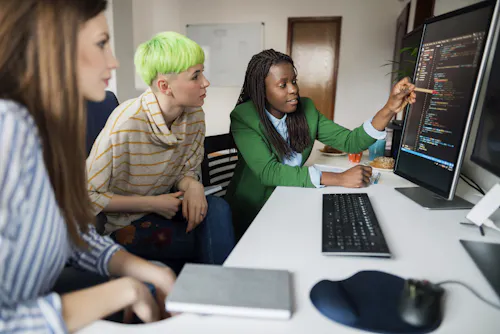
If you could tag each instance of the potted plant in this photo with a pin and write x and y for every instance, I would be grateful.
(406, 66)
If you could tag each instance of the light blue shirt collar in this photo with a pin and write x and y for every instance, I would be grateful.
(276, 121)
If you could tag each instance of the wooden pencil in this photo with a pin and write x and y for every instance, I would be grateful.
(423, 90)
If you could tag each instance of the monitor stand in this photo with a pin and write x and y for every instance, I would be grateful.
(431, 201)
(482, 211)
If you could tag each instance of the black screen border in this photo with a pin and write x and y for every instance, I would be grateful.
(449, 193)
(476, 157)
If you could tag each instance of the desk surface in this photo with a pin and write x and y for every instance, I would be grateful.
(287, 235)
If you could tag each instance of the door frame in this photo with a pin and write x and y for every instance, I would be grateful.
(337, 19)
(423, 11)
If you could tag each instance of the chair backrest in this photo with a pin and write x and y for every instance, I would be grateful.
(219, 162)
(97, 115)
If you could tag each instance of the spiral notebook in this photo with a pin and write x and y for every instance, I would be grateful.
(242, 292)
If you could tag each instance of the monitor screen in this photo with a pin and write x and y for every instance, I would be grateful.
(486, 152)
(433, 135)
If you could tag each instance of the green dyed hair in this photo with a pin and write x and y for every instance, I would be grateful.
(165, 53)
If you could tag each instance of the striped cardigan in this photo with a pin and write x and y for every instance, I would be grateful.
(136, 154)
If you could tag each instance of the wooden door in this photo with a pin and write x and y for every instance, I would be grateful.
(313, 44)
(423, 10)
(401, 29)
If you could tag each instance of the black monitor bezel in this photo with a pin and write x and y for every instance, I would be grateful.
(450, 188)
(475, 156)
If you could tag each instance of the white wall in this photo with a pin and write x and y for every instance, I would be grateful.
(109, 17)
(367, 42)
(123, 33)
(445, 6)
(411, 18)
(151, 17)
(440, 7)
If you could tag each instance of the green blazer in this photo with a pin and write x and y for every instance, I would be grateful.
(260, 169)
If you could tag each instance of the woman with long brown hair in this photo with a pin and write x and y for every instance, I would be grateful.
(55, 55)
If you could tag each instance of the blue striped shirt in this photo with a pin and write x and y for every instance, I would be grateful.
(34, 242)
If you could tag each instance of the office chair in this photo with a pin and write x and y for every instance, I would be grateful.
(97, 115)
(219, 161)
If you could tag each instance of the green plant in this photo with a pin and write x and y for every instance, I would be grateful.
(406, 67)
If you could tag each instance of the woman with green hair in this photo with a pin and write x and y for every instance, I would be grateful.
(152, 145)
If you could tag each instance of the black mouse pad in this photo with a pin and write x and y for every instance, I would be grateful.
(375, 296)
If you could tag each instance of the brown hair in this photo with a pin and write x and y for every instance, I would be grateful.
(38, 57)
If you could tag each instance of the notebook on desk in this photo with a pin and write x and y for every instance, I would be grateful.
(217, 290)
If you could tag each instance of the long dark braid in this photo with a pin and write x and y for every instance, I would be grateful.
(254, 89)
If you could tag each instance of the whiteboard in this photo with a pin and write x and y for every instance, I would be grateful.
(228, 49)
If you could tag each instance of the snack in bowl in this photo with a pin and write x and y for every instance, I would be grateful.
(383, 163)
(329, 149)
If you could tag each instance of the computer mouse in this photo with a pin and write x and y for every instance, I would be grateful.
(334, 302)
(420, 303)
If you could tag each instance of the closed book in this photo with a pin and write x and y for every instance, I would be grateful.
(217, 290)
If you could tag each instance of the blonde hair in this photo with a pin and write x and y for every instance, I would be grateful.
(38, 43)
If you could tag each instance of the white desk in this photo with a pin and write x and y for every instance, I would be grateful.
(287, 235)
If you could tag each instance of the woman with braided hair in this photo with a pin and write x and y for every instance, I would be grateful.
(274, 129)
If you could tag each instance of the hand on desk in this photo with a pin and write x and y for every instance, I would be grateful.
(143, 305)
(163, 282)
(356, 177)
(149, 306)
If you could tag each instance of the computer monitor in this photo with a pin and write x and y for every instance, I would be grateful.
(407, 60)
(436, 127)
(406, 66)
(486, 151)
(404, 60)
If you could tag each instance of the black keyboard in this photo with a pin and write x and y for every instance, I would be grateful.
(350, 227)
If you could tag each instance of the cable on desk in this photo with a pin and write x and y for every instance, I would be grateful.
(471, 183)
(474, 292)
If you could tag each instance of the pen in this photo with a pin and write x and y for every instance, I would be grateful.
(423, 90)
